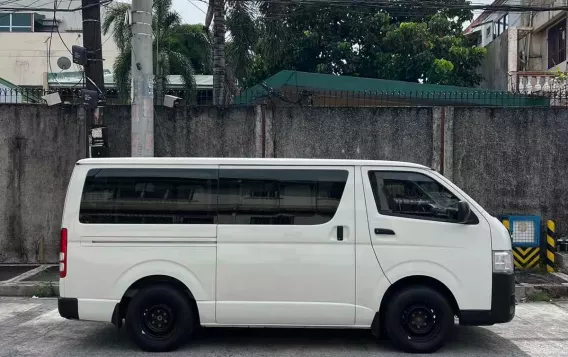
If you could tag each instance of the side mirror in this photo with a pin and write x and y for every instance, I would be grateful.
(464, 213)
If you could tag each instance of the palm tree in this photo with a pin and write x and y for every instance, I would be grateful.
(173, 45)
(231, 61)
(219, 32)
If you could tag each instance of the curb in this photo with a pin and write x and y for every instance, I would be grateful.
(524, 292)
(28, 289)
(18, 287)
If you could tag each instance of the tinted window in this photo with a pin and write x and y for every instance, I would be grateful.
(22, 20)
(412, 195)
(149, 196)
(5, 19)
(279, 197)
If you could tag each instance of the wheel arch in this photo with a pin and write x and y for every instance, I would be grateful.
(414, 280)
(151, 280)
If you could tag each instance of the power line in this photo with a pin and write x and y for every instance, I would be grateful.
(197, 7)
(39, 9)
(54, 23)
(434, 5)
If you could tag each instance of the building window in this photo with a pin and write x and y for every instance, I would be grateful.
(557, 44)
(17, 22)
(501, 25)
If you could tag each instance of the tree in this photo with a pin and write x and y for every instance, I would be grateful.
(179, 49)
(231, 60)
(408, 41)
(219, 32)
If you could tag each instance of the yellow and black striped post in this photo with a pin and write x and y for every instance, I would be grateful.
(550, 245)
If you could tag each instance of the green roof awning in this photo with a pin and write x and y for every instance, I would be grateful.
(370, 90)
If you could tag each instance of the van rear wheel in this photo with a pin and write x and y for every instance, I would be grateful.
(418, 319)
(159, 318)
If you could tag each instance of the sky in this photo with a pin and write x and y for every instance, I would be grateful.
(193, 11)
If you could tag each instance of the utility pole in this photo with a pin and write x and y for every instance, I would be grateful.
(142, 79)
(96, 125)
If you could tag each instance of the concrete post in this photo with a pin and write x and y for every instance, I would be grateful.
(437, 138)
(443, 140)
(512, 57)
(263, 135)
(259, 131)
(142, 80)
(449, 143)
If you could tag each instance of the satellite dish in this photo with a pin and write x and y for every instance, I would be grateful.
(64, 63)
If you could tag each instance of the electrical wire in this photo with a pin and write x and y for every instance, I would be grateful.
(400, 4)
(42, 9)
(424, 4)
(51, 36)
(24, 7)
(197, 7)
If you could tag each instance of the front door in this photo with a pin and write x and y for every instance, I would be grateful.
(285, 246)
(414, 232)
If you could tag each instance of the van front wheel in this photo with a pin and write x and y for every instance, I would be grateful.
(159, 318)
(418, 319)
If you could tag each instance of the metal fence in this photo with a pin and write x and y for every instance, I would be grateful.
(311, 98)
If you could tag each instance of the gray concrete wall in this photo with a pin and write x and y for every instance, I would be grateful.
(38, 149)
(510, 160)
(514, 161)
(495, 67)
(403, 134)
(203, 131)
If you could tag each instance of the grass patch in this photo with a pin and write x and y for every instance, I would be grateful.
(46, 289)
(539, 296)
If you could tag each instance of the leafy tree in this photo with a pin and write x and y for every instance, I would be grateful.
(181, 49)
(408, 41)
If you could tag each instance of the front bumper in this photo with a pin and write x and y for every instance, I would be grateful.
(68, 308)
(502, 304)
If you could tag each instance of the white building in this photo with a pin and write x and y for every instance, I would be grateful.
(526, 51)
(30, 45)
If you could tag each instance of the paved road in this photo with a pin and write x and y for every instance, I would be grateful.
(32, 327)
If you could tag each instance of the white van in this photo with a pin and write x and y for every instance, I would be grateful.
(165, 245)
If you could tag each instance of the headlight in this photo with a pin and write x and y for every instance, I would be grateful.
(503, 261)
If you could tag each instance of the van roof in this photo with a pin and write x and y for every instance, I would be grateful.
(240, 161)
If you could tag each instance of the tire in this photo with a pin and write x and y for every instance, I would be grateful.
(418, 320)
(159, 318)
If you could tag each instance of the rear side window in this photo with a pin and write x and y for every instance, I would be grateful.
(279, 197)
(149, 196)
(412, 195)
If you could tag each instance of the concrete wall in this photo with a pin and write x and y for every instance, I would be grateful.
(495, 65)
(510, 160)
(358, 133)
(202, 131)
(513, 161)
(38, 149)
(24, 56)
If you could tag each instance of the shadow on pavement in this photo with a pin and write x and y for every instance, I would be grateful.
(465, 341)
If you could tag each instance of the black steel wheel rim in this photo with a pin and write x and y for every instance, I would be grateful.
(420, 322)
(158, 321)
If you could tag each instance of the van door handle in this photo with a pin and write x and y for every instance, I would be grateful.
(383, 231)
(340, 233)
